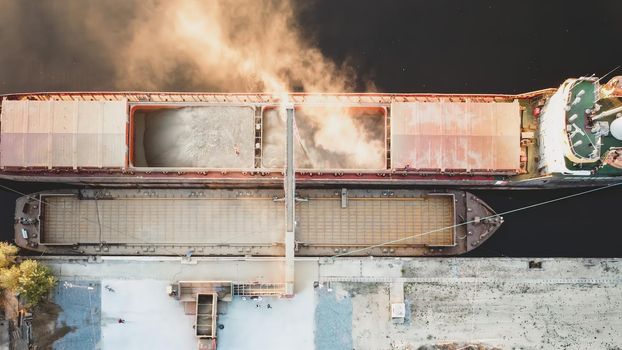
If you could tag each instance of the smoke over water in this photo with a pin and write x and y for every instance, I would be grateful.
(149, 45)
(215, 45)
(237, 45)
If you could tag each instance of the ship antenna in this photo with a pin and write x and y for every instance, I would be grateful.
(611, 71)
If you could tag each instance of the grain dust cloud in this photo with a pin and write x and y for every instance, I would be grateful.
(224, 46)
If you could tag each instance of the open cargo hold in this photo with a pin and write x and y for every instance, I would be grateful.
(214, 137)
(193, 137)
(328, 138)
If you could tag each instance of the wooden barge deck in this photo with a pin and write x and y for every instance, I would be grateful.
(244, 222)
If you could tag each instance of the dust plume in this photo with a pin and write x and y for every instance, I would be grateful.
(251, 46)
(329, 138)
(158, 45)
(237, 45)
(185, 45)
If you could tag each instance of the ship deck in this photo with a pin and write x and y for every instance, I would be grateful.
(585, 92)
(245, 222)
(338, 139)
(247, 218)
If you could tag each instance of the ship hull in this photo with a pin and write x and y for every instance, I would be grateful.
(239, 140)
(131, 139)
(306, 180)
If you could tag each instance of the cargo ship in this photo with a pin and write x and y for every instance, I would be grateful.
(253, 222)
(565, 137)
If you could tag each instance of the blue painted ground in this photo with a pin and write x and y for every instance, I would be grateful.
(80, 302)
(333, 321)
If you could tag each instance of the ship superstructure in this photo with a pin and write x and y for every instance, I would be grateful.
(581, 129)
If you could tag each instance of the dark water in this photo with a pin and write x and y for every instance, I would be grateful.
(401, 46)
(582, 226)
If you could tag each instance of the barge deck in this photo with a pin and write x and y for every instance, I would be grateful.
(246, 222)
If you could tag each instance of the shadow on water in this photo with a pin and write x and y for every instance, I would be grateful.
(584, 226)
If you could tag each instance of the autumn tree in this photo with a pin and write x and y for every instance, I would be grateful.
(8, 252)
(30, 279)
(9, 278)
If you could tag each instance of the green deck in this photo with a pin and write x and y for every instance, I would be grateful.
(587, 102)
(588, 99)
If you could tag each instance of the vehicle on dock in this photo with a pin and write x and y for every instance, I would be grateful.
(544, 139)
(244, 222)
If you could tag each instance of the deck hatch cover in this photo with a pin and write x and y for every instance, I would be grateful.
(471, 136)
(73, 134)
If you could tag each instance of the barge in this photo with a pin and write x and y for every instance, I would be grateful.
(244, 222)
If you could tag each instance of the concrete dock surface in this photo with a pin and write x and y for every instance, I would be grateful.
(346, 303)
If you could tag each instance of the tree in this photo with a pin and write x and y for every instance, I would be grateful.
(30, 279)
(7, 254)
(9, 278)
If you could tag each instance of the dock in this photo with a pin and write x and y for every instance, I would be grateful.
(346, 302)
